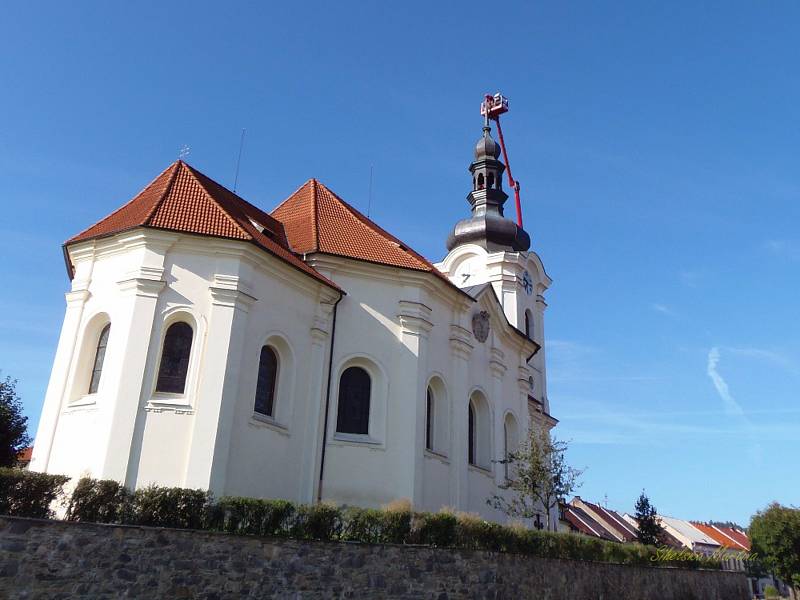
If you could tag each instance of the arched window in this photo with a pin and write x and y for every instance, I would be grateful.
(479, 443)
(355, 387)
(175, 359)
(480, 181)
(528, 325)
(471, 435)
(99, 358)
(490, 185)
(267, 380)
(429, 416)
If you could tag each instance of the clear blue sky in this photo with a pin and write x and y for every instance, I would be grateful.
(657, 146)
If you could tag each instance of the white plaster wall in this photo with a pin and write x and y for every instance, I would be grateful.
(396, 323)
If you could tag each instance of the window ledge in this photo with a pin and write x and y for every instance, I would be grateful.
(356, 439)
(165, 401)
(83, 401)
(259, 420)
(482, 470)
(432, 454)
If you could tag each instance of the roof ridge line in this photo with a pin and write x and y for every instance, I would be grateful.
(167, 189)
(215, 202)
(289, 197)
(131, 201)
(370, 224)
(315, 212)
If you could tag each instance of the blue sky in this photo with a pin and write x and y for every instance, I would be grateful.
(656, 143)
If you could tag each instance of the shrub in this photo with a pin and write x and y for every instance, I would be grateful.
(317, 522)
(100, 501)
(170, 507)
(435, 529)
(252, 516)
(28, 493)
(390, 525)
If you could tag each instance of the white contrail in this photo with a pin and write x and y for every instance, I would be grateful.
(731, 405)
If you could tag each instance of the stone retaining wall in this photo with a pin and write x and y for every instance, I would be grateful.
(48, 559)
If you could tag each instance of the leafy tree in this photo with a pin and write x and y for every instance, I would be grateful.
(13, 424)
(538, 477)
(775, 538)
(650, 531)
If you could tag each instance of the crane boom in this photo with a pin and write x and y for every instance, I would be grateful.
(491, 108)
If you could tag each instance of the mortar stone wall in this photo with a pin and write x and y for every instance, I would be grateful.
(54, 559)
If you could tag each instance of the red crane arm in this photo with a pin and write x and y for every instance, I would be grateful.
(511, 182)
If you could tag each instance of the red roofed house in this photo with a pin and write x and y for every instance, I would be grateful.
(305, 353)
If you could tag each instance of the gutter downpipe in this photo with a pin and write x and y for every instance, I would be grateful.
(327, 403)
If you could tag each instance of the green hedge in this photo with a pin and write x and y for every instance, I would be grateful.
(23, 493)
(29, 494)
(100, 501)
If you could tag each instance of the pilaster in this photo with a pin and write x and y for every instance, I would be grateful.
(317, 370)
(461, 351)
(411, 369)
(219, 384)
(56, 388)
(132, 326)
(498, 369)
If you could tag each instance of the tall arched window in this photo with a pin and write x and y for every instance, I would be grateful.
(355, 387)
(528, 325)
(267, 380)
(429, 416)
(480, 181)
(471, 435)
(490, 185)
(99, 358)
(175, 359)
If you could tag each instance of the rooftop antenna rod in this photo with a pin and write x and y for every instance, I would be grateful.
(369, 197)
(238, 161)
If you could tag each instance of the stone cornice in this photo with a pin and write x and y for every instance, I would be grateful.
(77, 297)
(390, 274)
(496, 365)
(415, 317)
(145, 282)
(460, 341)
(228, 291)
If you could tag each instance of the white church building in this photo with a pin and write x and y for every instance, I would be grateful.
(303, 354)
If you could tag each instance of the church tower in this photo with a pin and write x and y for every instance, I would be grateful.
(488, 247)
(488, 227)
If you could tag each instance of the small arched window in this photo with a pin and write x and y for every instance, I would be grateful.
(528, 325)
(471, 435)
(480, 181)
(490, 185)
(267, 380)
(175, 359)
(429, 416)
(99, 358)
(355, 387)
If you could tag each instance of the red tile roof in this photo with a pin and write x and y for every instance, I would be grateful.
(737, 535)
(614, 521)
(317, 220)
(725, 536)
(584, 523)
(24, 455)
(183, 199)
